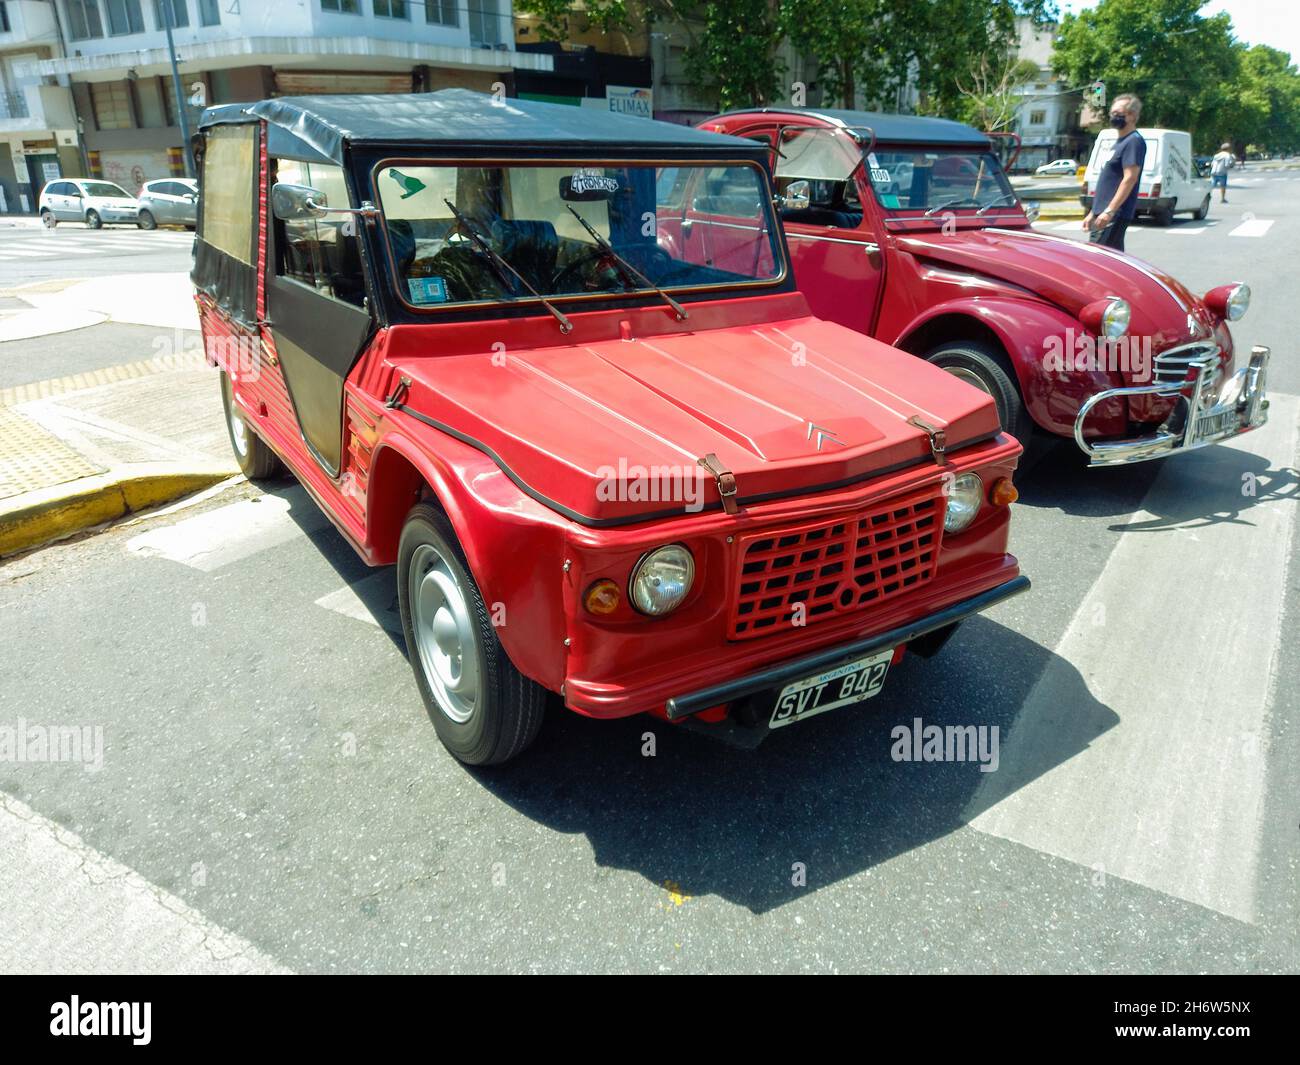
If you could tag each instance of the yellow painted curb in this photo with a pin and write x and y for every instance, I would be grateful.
(36, 518)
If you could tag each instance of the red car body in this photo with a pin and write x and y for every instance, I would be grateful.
(973, 276)
(816, 446)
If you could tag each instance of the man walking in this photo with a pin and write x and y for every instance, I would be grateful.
(1117, 185)
(1219, 167)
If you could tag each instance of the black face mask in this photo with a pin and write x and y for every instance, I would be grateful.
(1119, 121)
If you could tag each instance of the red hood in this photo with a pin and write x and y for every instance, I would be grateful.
(1071, 275)
(562, 419)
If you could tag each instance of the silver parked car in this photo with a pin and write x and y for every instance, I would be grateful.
(97, 203)
(169, 202)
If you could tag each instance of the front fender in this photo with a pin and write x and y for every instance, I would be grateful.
(1038, 339)
(514, 546)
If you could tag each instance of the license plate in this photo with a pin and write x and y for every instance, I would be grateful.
(849, 683)
(1218, 422)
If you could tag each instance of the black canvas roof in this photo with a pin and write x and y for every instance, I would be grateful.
(461, 118)
(891, 129)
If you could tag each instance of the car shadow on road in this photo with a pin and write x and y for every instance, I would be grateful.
(1209, 486)
(703, 818)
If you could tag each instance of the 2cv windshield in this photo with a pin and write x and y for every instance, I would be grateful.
(474, 233)
(930, 179)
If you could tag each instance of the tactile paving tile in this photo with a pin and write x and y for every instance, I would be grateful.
(32, 458)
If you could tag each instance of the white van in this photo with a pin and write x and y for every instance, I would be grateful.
(1169, 181)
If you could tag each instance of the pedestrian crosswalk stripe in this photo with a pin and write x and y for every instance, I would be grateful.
(1162, 783)
(372, 599)
(1252, 227)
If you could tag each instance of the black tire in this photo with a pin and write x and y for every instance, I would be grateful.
(93, 221)
(507, 709)
(1163, 216)
(991, 368)
(257, 461)
(1203, 211)
(146, 220)
(47, 219)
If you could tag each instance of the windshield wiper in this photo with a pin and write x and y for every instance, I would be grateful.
(566, 326)
(951, 203)
(629, 272)
(1002, 201)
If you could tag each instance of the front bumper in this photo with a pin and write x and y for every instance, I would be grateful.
(1240, 407)
(681, 706)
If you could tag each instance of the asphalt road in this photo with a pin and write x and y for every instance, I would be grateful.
(267, 765)
(70, 250)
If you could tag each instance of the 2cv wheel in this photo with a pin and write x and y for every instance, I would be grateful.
(485, 711)
(257, 461)
(989, 370)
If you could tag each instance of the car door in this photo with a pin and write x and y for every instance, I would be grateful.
(187, 208)
(318, 320)
(66, 202)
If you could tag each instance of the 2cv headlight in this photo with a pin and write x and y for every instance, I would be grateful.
(662, 579)
(965, 494)
(1114, 319)
(1229, 302)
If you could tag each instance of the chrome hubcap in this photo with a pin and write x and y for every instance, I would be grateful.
(238, 431)
(444, 633)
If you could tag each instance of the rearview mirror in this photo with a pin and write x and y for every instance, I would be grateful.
(798, 195)
(289, 203)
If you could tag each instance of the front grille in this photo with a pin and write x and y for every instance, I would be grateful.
(1174, 364)
(836, 566)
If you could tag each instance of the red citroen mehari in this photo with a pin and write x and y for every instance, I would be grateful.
(592, 421)
(913, 235)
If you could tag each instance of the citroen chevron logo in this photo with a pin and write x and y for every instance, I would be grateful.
(823, 434)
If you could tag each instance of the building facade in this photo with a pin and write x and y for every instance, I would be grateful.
(114, 65)
(1047, 117)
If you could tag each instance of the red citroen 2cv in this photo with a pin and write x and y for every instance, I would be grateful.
(592, 421)
(913, 235)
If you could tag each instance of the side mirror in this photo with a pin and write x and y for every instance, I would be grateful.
(289, 203)
(1031, 210)
(798, 195)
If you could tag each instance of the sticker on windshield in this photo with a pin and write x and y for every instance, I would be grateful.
(427, 289)
(587, 184)
(889, 201)
(871, 161)
(880, 176)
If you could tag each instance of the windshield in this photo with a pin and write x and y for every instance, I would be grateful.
(931, 179)
(105, 190)
(462, 234)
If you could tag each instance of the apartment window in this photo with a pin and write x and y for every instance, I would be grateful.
(83, 20)
(484, 22)
(390, 8)
(209, 12)
(111, 101)
(124, 16)
(343, 7)
(179, 9)
(1037, 118)
(443, 12)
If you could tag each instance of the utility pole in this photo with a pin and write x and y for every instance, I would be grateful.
(176, 88)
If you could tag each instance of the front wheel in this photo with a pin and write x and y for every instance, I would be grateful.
(146, 220)
(93, 221)
(485, 711)
(989, 370)
(1203, 211)
(257, 461)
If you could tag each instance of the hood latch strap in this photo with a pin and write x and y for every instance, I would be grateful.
(726, 481)
(938, 438)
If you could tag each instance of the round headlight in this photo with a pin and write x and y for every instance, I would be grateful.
(964, 499)
(1114, 319)
(1238, 303)
(662, 579)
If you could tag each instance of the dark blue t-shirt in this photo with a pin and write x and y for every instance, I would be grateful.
(1130, 150)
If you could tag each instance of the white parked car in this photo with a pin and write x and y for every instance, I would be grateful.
(1057, 166)
(97, 203)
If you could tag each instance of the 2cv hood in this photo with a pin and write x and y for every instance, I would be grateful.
(612, 431)
(1069, 274)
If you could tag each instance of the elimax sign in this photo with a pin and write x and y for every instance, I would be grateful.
(624, 100)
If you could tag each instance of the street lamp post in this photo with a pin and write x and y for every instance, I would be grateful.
(176, 88)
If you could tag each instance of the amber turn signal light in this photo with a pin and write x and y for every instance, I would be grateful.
(1003, 493)
(601, 598)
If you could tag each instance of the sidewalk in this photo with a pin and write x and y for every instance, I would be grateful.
(83, 450)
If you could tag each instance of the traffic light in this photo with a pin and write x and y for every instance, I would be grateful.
(1098, 90)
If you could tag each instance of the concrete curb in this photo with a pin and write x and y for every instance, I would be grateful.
(48, 514)
(1061, 212)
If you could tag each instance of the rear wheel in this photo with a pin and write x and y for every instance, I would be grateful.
(257, 461)
(1163, 216)
(47, 219)
(485, 711)
(146, 220)
(93, 221)
(988, 369)
(1203, 211)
